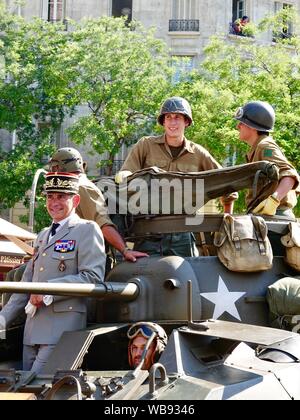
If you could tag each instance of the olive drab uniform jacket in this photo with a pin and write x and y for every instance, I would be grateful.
(154, 151)
(267, 149)
(74, 255)
(92, 205)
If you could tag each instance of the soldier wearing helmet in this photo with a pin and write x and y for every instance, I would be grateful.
(256, 121)
(171, 151)
(92, 204)
(140, 335)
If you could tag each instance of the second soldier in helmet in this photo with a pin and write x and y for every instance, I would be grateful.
(92, 204)
(255, 122)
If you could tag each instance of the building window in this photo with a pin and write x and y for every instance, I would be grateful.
(238, 9)
(184, 16)
(56, 10)
(122, 8)
(182, 66)
(184, 9)
(287, 28)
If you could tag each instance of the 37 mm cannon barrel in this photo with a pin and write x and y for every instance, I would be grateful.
(108, 291)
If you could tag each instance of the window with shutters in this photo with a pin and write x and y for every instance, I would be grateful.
(184, 16)
(56, 10)
(238, 9)
(287, 27)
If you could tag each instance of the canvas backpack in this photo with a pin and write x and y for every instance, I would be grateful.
(243, 244)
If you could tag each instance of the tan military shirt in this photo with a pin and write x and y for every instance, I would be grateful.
(92, 204)
(154, 151)
(267, 149)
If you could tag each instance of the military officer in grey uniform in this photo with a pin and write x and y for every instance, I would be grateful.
(70, 251)
(92, 203)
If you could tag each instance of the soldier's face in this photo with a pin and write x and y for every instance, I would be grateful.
(175, 124)
(60, 205)
(137, 347)
(247, 134)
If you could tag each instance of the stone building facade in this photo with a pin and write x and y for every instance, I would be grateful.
(185, 25)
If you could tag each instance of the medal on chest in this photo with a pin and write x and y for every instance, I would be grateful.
(62, 266)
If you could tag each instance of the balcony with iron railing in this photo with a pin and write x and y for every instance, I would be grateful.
(184, 25)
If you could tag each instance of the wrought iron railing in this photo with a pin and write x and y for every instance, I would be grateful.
(184, 25)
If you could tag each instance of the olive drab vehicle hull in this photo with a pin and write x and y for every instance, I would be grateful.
(220, 345)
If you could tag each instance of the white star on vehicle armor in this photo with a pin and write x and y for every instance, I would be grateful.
(224, 300)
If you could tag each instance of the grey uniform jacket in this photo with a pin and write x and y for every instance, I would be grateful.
(74, 255)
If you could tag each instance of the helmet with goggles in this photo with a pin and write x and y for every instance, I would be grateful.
(66, 159)
(146, 329)
(258, 115)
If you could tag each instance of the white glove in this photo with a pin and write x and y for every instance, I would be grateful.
(121, 176)
(30, 309)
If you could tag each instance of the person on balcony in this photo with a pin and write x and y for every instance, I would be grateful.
(239, 25)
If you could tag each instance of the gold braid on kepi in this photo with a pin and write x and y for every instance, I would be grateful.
(61, 182)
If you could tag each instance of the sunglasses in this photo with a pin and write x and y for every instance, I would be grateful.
(140, 329)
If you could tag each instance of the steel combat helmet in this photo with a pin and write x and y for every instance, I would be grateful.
(146, 329)
(66, 159)
(175, 105)
(259, 115)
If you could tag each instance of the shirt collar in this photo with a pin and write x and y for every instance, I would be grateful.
(188, 145)
(254, 146)
(64, 221)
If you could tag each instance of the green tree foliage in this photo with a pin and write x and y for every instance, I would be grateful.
(33, 99)
(122, 75)
(117, 73)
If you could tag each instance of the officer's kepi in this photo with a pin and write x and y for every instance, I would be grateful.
(61, 182)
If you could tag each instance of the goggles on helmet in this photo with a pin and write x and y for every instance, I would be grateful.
(144, 330)
(65, 161)
(239, 113)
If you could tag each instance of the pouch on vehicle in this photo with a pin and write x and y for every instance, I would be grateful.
(243, 244)
(291, 241)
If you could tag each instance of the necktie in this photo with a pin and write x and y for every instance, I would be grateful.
(54, 227)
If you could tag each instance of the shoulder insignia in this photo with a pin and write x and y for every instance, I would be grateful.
(268, 153)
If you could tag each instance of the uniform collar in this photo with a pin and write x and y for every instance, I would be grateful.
(254, 146)
(63, 222)
(187, 145)
(69, 222)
